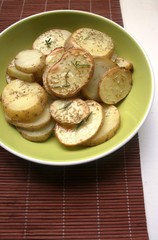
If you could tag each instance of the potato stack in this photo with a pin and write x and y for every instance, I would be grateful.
(68, 84)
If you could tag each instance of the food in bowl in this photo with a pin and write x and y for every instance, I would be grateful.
(133, 110)
(59, 73)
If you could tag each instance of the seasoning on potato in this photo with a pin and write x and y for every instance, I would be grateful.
(23, 101)
(69, 112)
(67, 84)
(71, 73)
(85, 130)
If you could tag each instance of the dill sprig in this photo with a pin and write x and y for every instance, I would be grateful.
(61, 86)
(48, 42)
(77, 64)
(84, 120)
(66, 105)
(66, 84)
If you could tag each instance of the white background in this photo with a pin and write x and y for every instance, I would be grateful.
(140, 18)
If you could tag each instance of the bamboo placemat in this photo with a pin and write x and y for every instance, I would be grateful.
(99, 200)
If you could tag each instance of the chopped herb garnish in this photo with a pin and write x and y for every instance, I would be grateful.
(67, 75)
(88, 36)
(77, 64)
(48, 42)
(57, 86)
(66, 85)
(66, 105)
(61, 86)
(83, 121)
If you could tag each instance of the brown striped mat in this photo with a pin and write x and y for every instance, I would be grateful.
(99, 200)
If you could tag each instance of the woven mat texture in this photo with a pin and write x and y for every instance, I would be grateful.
(99, 200)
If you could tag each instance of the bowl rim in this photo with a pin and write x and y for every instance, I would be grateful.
(122, 143)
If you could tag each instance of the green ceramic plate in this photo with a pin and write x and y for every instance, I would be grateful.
(134, 109)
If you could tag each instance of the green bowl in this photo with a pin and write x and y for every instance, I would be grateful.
(134, 109)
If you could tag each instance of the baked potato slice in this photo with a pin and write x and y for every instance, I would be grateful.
(111, 124)
(44, 81)
(40, 121)
(15, 73)
(51, 59)
(101, 65)
(115, 85)
(51, 39)
(23, 101)
(97, 43)
(69, 112)
(54, 56)
(39, 135)
(30, 60)
(71, 73)
(8, 77)
(83, 131)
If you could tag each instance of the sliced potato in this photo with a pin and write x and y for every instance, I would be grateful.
(115, 85)
(8, 77)
(111, 124)
(30, 60)
(97, 43)
(101, 65)
(84, 130)
(23, 101)
(54, 56)
(51, 39)
(39, 135)
(71, 73)
(15, 73)
(67, 68)
(124, 63)
(69, 112)
(45, 84)
(43, 119)
(51, 59)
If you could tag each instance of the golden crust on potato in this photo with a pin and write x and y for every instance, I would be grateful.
(71, 73)
(111, 123)
(70, 80)
(69, 112)
(115, 85)
(40, 121)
